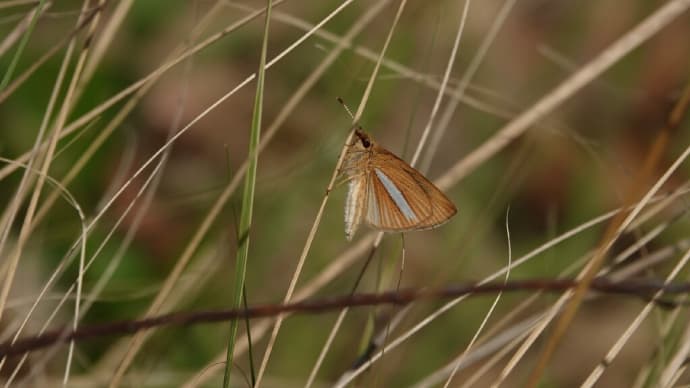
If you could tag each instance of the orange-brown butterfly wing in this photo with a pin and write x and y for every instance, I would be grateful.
(395, 201)
(442, 209)
(400, 198)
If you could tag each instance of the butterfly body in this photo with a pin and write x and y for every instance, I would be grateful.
(388, 194)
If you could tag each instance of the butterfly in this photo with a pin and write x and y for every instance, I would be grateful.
(388, 194)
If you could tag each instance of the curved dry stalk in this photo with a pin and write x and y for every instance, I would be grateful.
(449, 90)
(93, 147)
(102, 280)
(67, 195)
(69, 103)
(488, 314)
(13, 258)
(491, 362)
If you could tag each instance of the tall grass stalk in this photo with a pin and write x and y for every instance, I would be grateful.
(248, 196)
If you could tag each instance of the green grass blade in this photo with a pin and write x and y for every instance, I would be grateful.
(250, 351)
(248, 198)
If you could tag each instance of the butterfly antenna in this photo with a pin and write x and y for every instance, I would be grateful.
(349, 112)
(347, 109)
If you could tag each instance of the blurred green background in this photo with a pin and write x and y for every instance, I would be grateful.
(577, 163)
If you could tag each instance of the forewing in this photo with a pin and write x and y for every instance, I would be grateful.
(442, 209)
(427, 206)
(396, 202)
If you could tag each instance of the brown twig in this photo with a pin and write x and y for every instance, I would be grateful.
(638, 288)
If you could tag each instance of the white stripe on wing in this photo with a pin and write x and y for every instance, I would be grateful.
(397, 196)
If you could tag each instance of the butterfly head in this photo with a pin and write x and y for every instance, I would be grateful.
(362, 140)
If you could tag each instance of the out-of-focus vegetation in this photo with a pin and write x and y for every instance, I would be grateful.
(576, 163)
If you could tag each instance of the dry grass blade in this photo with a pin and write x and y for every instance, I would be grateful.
(625, 337)
(499, 345)
(444, 84)
(459, 92)
(587, 73)
(26, 34)
(331, 184)
(21, 28)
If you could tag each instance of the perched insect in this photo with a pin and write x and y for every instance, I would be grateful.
(388, 194)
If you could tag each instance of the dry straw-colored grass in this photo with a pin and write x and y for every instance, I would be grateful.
(126, 136)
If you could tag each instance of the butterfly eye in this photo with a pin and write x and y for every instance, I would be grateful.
(363, 138)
